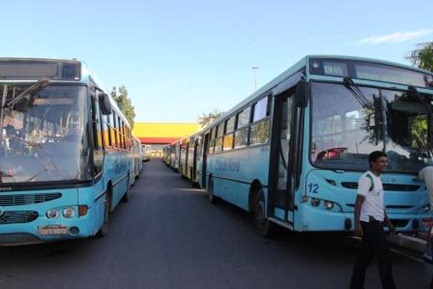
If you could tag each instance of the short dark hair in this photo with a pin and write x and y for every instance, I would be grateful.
(374, 156)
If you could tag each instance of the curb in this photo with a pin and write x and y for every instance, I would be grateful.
(408, 242)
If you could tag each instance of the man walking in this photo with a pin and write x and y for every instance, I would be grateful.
(370, 217)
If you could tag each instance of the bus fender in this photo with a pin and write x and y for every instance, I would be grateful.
(253, 194)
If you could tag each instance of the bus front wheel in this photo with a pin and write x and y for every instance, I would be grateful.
(103, 231)
(261, 223)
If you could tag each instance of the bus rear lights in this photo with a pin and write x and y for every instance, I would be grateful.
(82, 210)
(315, 202)
(68, 213)
(52, 214)
(329, 205)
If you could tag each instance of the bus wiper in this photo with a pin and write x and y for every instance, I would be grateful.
(377, 107)
(357, 93)
(29, 92)
(413, 95)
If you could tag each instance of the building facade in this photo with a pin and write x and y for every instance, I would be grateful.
(159, 134)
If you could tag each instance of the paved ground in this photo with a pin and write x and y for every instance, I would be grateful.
(168, 236)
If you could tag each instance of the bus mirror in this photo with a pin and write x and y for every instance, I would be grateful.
(104, 104)
(301, 94)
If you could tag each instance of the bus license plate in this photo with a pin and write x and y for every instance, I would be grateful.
(53, 230)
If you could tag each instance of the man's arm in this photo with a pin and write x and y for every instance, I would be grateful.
(388, 222)
(358, 203)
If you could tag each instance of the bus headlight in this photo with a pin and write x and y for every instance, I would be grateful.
(329, 205)
(426, 208)
(68, 213)
(52, 214)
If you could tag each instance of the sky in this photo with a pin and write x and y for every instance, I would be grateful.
(182, 59)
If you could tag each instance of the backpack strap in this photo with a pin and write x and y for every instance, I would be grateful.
(371, 182)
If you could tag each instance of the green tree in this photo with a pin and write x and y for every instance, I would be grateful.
(206, 119)
(120, 95)
(422, 56)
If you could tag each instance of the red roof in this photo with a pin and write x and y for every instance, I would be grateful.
(157, 140)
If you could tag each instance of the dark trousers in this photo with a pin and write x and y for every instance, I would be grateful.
(374, 243)
(431, 254)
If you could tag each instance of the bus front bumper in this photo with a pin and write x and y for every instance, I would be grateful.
(43, 230)
(319, 219)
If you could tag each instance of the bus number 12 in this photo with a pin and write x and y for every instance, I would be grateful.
(313, 188)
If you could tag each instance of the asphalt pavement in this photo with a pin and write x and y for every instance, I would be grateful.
(169, 236)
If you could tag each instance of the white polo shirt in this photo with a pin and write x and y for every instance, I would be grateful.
(373, 204)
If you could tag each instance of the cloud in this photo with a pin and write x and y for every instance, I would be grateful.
(395, 37)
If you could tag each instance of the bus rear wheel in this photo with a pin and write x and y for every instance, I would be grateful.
(127, 194)
(261, 223)
(210, 192)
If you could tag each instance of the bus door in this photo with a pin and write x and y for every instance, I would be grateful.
(204, 151)
(194, 160)
(285, 156)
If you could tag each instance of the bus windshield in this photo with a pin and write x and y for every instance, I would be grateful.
(348, 123)
(42, 134)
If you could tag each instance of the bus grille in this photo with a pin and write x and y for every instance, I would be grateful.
(386, 187)
(400, 223)
(28, 199)
(14, 217)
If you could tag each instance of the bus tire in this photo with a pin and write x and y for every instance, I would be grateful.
(103, 231)
(262, 225)
(210, 192)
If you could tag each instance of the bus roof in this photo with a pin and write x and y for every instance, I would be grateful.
(55, 69)
(301, 67)
(32, 69)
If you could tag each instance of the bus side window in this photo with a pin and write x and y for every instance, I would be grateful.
(242, 128)
(260, 128)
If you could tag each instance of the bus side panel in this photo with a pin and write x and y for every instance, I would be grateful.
(235, 171)
(93, 198)
(117, 165)
(96, 200)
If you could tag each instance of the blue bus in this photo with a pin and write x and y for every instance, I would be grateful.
(147, 152)
(293, 151)
(137, 156)
(166, 154)
(188, 157)
(173, 155)
(65, 152)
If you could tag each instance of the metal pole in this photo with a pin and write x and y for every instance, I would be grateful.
(255, 68)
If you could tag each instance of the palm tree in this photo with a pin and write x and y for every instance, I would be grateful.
(206, 119)
(422, 56)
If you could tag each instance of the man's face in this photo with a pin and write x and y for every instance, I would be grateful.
(380, 164)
